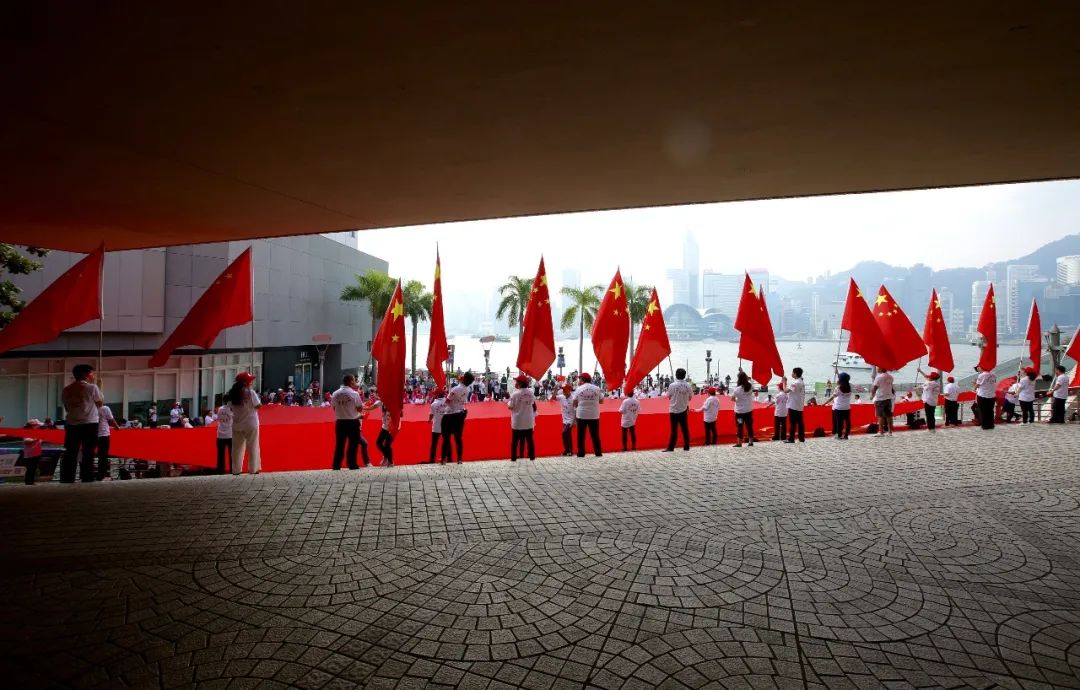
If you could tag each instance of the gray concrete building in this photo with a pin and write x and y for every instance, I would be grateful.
(297, 281)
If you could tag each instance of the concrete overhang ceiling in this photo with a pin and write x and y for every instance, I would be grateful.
(149, 124)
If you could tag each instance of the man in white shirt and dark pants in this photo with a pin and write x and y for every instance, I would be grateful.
(678, 394)
(796, 389)
(453, 422)
(882, 393)
(952, 402)
(1059, 393)
(224, 436)
(81, 401)
(985, 397)
(569, 418)
(106, 423)
(587, 399)
(347, 406)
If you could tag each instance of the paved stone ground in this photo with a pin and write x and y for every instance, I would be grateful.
(947, 560)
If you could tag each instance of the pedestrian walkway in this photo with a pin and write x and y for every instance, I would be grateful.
(920, 560)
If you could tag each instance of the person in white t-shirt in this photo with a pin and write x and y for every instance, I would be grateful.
(930, 393)
(176, 414)
(245, 405)
(678, 394)
(986, 397)
(841, 406)
(882, 393)
(1012, 397)
(629, 410)
(348, 440)
(951, 393)
(224, 436)
(780, 412)
(106, 423)
(796, 389)
(569, 418)
(1059, 393)
(710, 410)
(522, 404)
(453, 423)
(1025, 395)
(82, 400)
(587, 400)
(435, 416)
(743, 395)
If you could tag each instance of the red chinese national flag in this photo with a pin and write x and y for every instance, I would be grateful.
(865, 336)
(388, 349)
(756, 340)
(936, 336)
(652, 345)
(536, 351)
(611, 333)
(1034, 337)
(1073, 352)
(227, 302)
(73, 299)
(904, 341)
(774, 363)
(988, 329)
(437, 349)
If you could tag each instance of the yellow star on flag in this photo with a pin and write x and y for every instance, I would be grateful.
(616, 312)
(438, 271)
(543, 279)
(651, 309)
(753, 291)
(937, 304)
(397, 310)
(228, 275)
(617, 290)
(647, 327)
(881, 299)
(395, 338)
(858, 292)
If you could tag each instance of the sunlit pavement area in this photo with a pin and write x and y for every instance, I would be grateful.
(921, 560)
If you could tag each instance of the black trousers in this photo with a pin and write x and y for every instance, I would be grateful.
(779, 428)
(842, 423)
(521, 441)
(795, 421)
(931, 415)
(593, 425)
(744, 420)
(710, 433)
(952, 412)
(385, 443)
(224, 445)
(436, 436)
(78, 437)
(679, 420)
(453, 426)
(568, 439)
(347, 442)
(1057, 410)
(1027, 411)
(1008, 411)
(102, 457)
(631, 432)
(986, 411)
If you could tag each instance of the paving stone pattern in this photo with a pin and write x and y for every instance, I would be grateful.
(922, 560)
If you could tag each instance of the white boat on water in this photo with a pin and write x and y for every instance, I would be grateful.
(850, 360)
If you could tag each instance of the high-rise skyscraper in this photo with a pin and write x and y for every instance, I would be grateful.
(691, 266)
(1015, 312)
(1068, 270)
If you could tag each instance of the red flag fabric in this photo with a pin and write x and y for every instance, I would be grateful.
(756, 340)
(388, 349)
(438, 352)
(73, 299)
(653, 345)
(865, 338)
(936, 336)
(988, 329)
(1034, 337)
(611, 333)
(903, 340)
(536, 351)
(1073, 351)
(227, 302)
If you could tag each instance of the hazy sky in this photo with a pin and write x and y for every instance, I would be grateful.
(792, 238)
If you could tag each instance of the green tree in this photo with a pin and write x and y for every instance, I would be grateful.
(515, 296)
(418, 303)
(376, 288)
(584, 303)
(637, 301)
(15, 263)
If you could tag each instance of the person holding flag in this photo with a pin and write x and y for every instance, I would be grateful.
(629, 410)
(587, 399)
(930, 393)
(678, 394)
(82, 402)
(522, 404)
(1025, 395)
(347, 406)
(245, 404)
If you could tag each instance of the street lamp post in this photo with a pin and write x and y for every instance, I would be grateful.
(708, 365)
(561, 360)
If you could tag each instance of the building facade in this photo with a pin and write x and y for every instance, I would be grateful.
(1016, 309)
(1068, 270)
(297, 288)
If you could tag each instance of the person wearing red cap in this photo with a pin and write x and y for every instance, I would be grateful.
(930, 392)
(435, 416)
(587, 399)
(522, 404)
(629, 409)
(245, 404)
(710, 410)
(951, 393)
(569, 418)
(1025, 394)
(986, 396)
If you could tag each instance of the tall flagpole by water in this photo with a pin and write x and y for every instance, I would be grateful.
(101, 318)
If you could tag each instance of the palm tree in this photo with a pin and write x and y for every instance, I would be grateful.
(585, 302)
(418, 303)
(515, 296)
(377, 289)
(637, 301)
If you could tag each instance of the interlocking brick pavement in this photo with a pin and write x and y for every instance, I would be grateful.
(922, 560)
